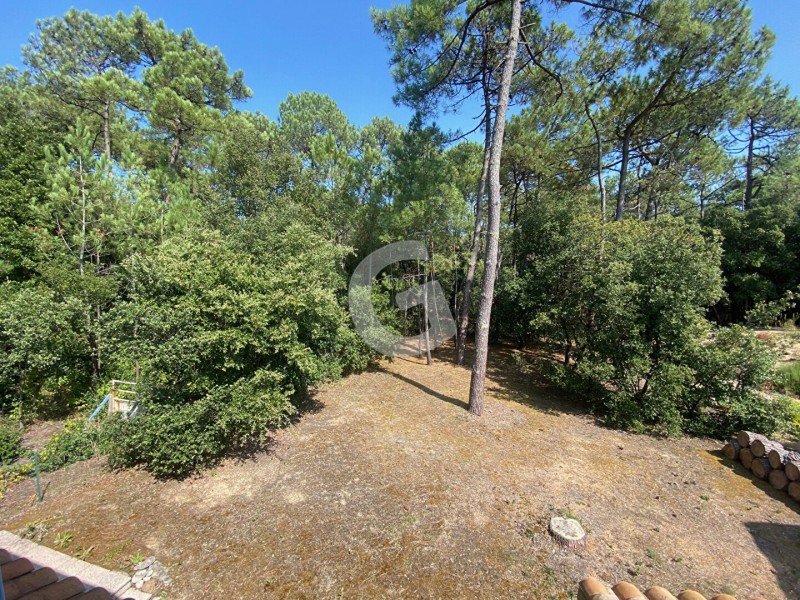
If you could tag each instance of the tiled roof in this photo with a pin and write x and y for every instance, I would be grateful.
(33, 572)
(592, 588)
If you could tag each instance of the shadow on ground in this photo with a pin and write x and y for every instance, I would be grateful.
(780, 543)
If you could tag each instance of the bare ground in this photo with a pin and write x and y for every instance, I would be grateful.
(391, 489)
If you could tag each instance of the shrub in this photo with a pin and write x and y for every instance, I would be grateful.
(78, 441)
(10, 441)
(176, 441)
(787, 378)
(228, 333)
(45, 359)
(625, 303)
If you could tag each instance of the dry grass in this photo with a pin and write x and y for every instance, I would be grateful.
(391, 489)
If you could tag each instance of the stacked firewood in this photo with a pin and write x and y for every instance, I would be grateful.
(593, 589)
(768, 460)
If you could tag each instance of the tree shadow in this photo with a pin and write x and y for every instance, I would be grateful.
(429, 391)
(780, 543)
(764, 486)
(510, 368)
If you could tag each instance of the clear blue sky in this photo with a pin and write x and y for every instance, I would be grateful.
(324, 46)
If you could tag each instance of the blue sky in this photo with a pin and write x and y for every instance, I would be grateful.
(324, 46)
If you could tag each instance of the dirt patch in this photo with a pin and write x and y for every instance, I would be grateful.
(391, 489)
(36, 435)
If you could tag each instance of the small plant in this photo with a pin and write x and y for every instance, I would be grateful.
(63, 540)
(135, 559)
(82, 553)
(651, 554)
(35, 530)
(705, 498)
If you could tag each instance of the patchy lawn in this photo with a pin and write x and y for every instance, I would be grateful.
(390, 488)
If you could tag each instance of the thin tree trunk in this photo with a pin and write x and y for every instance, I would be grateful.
(463, 320)
(600, 183)
(426, 321)
(748, 189)
(478, 380)
(107, 128)
(623, 175)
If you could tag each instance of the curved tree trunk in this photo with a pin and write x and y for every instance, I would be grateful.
(478, 380)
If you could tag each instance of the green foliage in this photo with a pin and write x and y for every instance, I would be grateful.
(226, 333)
(625, 303)
(10, 441)
(149, 230)
(787, 378)
(79, 441)
(731, 369)
(45, 366)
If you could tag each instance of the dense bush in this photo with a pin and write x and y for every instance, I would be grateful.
(79, 441)
(45, 360)
(10, 441)
(625, 303)
(227, 332)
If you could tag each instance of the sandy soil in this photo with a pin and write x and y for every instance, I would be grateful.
(391, 489)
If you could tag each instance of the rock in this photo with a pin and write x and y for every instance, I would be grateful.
(145, 563)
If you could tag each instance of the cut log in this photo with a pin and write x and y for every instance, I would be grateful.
(778, 457)
(658, 593)
(690, 595)
(761, 448)
(627, 591)
(778, 479)
(794, 490)
(746, 438)
(592, 588)
(568, 532)
(760, 467)
(792, 469)
(731, 450)
(746, 456)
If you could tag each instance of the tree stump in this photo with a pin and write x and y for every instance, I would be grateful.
(731, 450)
(568, 532)
(792, 469)
(778, 479)
(746, 438)
(794, 490)
(778, 457)
(746, 456)
(760, 467)
(761, 448)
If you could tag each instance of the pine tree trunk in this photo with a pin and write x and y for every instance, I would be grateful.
(599, 143)
(478, 380)
(107, 128)
(463, 320)
(427, 322)
(748, 187)
(623, 176)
